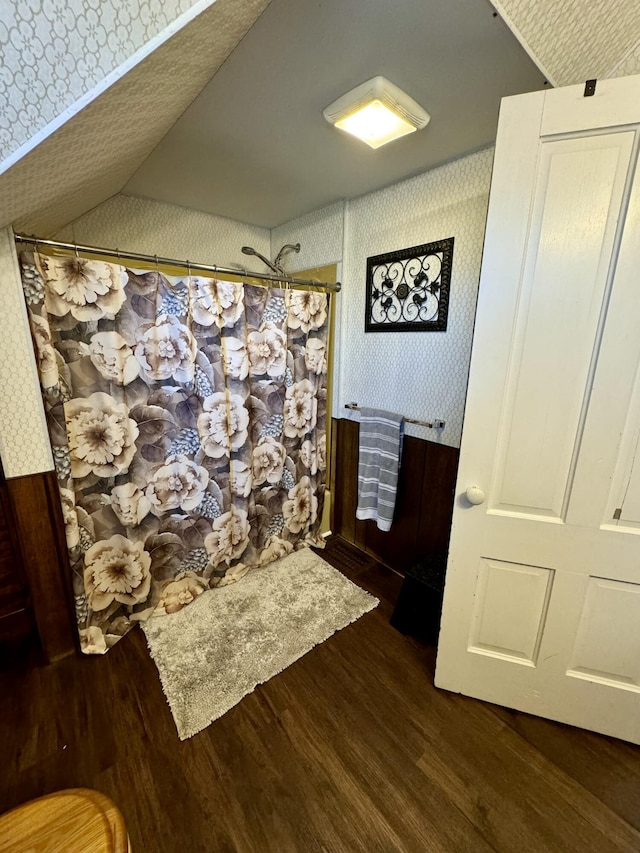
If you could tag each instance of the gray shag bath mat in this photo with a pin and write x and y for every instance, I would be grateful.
(218, 649)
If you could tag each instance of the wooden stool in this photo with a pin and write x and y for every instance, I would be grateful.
(74, 821)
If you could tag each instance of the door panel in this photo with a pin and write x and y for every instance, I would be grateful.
(612, 420)
(556, 326)
(607, 647)
(542, 596)
(510, 606)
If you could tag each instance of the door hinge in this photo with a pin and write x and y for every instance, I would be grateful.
(617, 513)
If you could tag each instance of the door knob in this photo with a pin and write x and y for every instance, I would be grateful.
(475, 495)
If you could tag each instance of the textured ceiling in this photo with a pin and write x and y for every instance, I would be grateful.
(254, 145)
(55, 52)
(574, 40)
(91, 157)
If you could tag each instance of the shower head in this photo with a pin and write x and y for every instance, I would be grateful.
(249, 250)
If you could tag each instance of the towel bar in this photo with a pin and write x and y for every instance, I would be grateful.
(435, 424)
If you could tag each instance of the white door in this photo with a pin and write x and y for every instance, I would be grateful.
(542, 598)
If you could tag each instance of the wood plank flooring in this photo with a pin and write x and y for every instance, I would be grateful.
(350, 749)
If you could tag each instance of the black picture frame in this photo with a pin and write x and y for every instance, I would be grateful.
(408, 290)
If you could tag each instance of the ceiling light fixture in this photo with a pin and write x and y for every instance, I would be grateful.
(377, 112)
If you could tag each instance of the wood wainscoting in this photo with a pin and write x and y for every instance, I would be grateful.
(35, 605)
(424, 503)
(18, 633)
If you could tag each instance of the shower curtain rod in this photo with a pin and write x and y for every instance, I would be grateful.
(296, 283)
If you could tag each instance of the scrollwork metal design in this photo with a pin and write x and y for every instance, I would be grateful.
(408, 290)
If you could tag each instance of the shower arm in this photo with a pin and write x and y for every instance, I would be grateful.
(275, 266)
(288, 247)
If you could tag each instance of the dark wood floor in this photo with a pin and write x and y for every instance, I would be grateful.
(350, 749)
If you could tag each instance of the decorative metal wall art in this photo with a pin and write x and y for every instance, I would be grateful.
(408, 290)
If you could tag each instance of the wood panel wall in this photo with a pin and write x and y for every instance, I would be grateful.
(424, 502)
(35, 601)
(17, 624)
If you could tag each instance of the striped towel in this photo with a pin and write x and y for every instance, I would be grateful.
(380, 451)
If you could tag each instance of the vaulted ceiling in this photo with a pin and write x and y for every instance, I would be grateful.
(254, 145)
(226, 115)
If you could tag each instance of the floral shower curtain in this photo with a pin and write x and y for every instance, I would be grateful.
(187, 419)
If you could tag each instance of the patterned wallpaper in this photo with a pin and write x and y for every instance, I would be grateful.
(153, 227)
(573, 40)
(54, 52)
(92, 156)
(629, 64)
(24, 441)
(320, 237)
(421, 375)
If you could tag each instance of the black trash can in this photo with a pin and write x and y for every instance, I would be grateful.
(419, 604)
